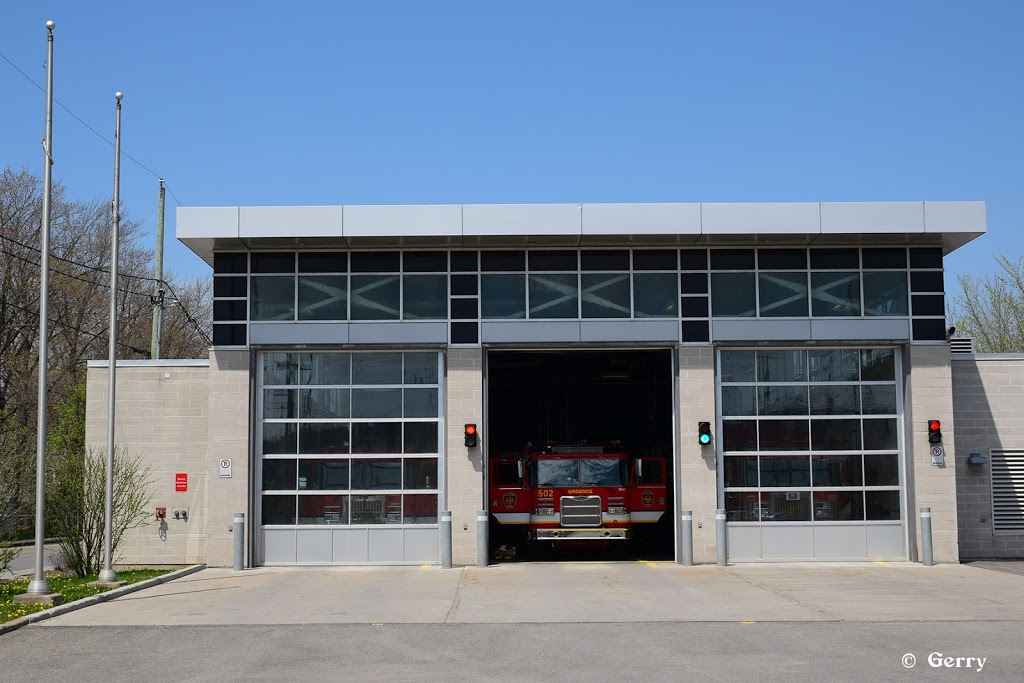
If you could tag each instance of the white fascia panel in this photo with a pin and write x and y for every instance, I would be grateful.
(206, 221)
(872, 217)
(403, 221)
(782, 218)
(954, 217)
(521, 219)
(641, 219)
(289, 221)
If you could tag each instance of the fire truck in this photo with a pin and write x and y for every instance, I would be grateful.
(585, 493)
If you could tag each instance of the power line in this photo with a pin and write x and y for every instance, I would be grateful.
(69, 275)
(79, 119)
(92, 335)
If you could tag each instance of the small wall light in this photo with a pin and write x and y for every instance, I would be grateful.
(976, 459)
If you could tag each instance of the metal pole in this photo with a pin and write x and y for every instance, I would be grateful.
(107, 574)
(687, 546)
(720, 537)
(926, 537)
(158, 277)
(481, 538)
(446, 539)
(239, 531)
(38, 585)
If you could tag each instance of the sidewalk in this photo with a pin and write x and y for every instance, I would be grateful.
(551, 593)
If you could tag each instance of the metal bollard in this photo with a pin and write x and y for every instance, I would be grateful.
(481, 538)
(720, 536)
(926, 537)
(446, 539)
(239, 531)
(687, 545)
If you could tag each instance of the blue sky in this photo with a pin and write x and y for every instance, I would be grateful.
(441, 102)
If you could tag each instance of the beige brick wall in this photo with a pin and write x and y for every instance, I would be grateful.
(988, 395)
(697, 464)
(181, 419)
(929, 388)
(465, 404)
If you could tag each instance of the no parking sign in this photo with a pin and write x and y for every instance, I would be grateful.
(225, 468)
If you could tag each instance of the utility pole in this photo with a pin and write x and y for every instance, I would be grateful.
(158, 278)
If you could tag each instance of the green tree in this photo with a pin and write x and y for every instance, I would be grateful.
(990, 308)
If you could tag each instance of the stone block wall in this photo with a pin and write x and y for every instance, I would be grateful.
(464, 404)
(697, 467)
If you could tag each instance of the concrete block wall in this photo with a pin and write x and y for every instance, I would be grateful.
(929, 392)
(988, 392)
(161, 414)
(464, 401)
(697, 466)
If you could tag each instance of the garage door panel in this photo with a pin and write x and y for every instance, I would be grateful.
(885, 542)
(386, 545)
(313, 545)
(421, 545)
(839, 543)
(351, 546)
(744, 542)
(787, 542)
(278, 545)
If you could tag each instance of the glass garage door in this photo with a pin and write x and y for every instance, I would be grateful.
(349, 448)
(810, 451)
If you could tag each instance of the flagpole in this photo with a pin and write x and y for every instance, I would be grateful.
(107, 574)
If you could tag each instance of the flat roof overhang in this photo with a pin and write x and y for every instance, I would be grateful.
(948, 225)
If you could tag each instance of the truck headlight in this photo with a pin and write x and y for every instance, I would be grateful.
(616, 510)
(544, 511)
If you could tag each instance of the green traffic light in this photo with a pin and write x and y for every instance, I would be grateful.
(705, 439)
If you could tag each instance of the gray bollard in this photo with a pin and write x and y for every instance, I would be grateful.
(446, 539)
(720, 536)
(481, 538)
(239, 531)
(926, 537)
(687, 545)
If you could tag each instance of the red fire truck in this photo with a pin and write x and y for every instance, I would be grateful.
(574, 493)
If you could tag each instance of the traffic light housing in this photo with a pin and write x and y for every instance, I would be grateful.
(471, 435)
(704, 433)
(934, 431)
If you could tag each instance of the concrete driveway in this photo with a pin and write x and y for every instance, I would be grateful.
(553, 593)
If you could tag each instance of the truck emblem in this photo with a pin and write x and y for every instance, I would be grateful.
(648, 498)
(510, 500)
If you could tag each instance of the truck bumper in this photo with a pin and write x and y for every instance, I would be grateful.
(559, 534)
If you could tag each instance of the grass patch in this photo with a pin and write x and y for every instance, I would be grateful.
(72, 587)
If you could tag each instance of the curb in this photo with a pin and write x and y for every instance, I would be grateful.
(98, 598)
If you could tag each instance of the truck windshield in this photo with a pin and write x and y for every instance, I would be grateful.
(558, 473)
(602, 472)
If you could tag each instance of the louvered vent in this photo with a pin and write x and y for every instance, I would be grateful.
(1008, 491)
(961, 345)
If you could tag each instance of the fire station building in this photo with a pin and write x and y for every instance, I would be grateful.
(353, 344)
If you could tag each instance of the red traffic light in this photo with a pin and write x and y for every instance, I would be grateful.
(471, 429)
(934, 425)
(934, 431)
(470, 436)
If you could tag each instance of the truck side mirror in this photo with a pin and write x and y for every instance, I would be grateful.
(519, 470)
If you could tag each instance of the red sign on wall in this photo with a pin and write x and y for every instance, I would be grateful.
(181, 481)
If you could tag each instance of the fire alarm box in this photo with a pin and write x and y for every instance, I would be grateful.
(161, 513)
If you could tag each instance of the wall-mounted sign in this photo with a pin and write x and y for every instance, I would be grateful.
(181, 482)
(225, 468)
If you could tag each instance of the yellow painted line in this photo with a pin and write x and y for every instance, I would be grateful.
(426, 566)
(748, 622)
(377, 623)
(650, 564)
(884, 564)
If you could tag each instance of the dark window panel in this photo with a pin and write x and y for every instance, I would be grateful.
(693, 259)
(834, 259)
(877, 365)
(323, 437)
(327, 474)
(463, 261)
(420, 437)
(279, 475)
(465, 309)
(882, 505)
(782, 259)
(782, 435)
(323, 297)
(929, 304)
(375, 262)
(926, 281)
(610, 259)
(229, 335)
(376, 437)
(786, 470)
(835, 435)
(929, 329)
(838, 506)
(693, 283)
(836, 470)
(694, 306)
(655, 259)
(377, 474)
(732, 295)
(230, 286)
(228, 310)
(782, 400)
(553, 260)
(835, 294)
(786, 506)
(880, 435)
(425, 261)
(496, 261)
(739, 435)
(881, 469)
(926, 258)
(740, 470)
(696, 331)
(464, 284)
(737, 366)
(465, 333)
(885, 292)
(283, 262)
(280, 438)
(605, 295)
(889, 257)
(278, 510)
(323, 262)
(230, 262)
(425, 297)
(783, 294)
(732, 259)
(375, 297)
(742, 506)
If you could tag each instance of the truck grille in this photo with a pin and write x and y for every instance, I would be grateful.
(581, 510)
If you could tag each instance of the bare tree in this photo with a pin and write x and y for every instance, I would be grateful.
(990, 308)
